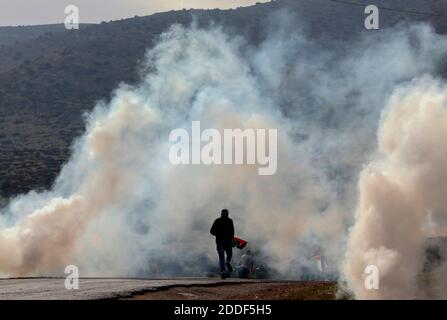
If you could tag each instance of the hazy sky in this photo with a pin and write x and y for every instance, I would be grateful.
(30, 12)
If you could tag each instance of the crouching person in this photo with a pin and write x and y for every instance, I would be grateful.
(246, 265)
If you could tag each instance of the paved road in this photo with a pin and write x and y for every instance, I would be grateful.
(91, 288)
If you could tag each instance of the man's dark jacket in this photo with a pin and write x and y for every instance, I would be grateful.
(223, 229)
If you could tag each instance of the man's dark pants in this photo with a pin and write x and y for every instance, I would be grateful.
(224, 247)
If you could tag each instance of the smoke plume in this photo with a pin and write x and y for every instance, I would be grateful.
(402, 193)
(120, 208)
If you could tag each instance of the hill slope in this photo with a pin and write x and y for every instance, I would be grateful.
(49, 80)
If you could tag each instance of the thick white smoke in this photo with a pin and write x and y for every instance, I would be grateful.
(120, 208)
(402, 193)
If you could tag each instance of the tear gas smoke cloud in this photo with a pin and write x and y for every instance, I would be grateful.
(401, 192)
(119, 207)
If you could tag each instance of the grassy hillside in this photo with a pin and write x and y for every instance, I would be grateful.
(12, 35)
(49, 77)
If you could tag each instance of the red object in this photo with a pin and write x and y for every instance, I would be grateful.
(239, 243)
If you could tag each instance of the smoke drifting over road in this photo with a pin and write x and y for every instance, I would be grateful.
(120, 208)
(402, 193)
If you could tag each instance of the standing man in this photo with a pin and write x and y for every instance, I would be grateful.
(223, 230)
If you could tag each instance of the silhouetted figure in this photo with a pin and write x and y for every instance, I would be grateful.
(223, 230)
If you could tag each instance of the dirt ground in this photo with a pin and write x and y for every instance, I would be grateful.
(247, 291)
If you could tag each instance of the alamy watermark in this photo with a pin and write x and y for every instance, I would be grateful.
(372, 277)
(71, 21)
(234, 146)
(72, 280)
(372, 19)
